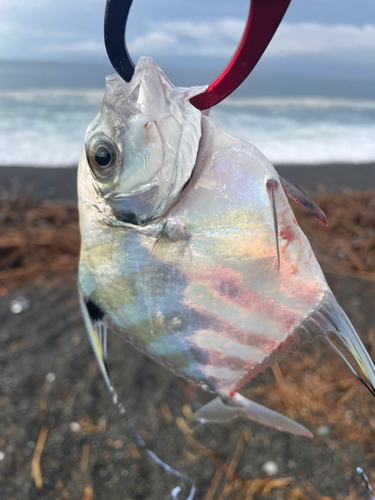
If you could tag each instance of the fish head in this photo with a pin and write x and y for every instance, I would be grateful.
(141, 148)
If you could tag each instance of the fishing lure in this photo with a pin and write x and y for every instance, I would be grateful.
(190, 249)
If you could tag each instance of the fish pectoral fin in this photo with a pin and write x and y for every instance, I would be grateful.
(299, 196)
(172, 244)
(217, 411)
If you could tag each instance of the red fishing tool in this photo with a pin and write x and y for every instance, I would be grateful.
(262, 22)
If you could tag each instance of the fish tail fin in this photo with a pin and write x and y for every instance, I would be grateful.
(98, 336)
(330, 317)
(218, 411)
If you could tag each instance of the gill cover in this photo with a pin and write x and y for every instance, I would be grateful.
(142, 146)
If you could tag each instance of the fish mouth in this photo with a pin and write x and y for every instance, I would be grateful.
(135, 208)
(330, 317)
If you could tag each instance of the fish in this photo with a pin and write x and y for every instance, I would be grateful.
(191, 252)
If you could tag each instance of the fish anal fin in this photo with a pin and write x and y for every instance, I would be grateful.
(299, 196)
(216, 411)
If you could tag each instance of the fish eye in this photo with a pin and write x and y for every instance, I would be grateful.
(102, 156)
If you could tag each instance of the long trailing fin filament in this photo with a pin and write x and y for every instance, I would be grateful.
(97, 331)
(366, 481)
(189, 483)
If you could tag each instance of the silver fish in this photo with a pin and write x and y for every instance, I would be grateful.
(191, 251)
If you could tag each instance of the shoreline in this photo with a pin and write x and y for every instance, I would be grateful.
(59, 183)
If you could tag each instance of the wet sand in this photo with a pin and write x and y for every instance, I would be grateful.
(50, 386)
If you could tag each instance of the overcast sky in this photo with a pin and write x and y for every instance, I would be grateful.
(316, 36)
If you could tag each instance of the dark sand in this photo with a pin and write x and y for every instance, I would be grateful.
(60, 183)
(49, 338)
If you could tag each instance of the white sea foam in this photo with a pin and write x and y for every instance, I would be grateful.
(301, 102)
(303, 130)
(46, 127)
(45, 95)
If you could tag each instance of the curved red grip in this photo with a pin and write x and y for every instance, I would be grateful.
(262, 22)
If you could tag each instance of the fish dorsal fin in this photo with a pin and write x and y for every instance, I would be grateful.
(299, 196)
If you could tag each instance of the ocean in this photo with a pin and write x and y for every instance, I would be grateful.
(45, 109)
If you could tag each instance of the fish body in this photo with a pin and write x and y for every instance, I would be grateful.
(190, 248)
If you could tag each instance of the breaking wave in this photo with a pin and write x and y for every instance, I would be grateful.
(47, 127)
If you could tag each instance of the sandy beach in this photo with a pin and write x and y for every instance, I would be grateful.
(56, 416)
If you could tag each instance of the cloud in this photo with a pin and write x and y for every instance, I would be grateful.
(342, 40)
(6, 28)
(219, 38)
(154, 40)
(42, 28)
(207, 39)
(86, 47)
(216, 39)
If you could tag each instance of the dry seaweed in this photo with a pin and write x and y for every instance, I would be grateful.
(39, 241)
(347, 246)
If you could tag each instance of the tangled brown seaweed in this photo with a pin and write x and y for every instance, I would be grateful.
(39, 242)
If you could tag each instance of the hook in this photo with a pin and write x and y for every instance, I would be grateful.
(262, 22)
(115, 18)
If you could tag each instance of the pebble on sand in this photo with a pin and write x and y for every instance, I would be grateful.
(323, 430)
(19, 304)
(50, 377)
(75, 427)
(271, 468)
